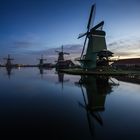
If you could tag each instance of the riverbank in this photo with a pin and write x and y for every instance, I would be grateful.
(105, 72)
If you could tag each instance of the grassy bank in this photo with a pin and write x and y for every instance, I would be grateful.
(106, 72)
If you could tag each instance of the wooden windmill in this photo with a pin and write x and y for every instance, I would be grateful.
(96, 43)
(61, 62)
(8, 61)
(41, 61)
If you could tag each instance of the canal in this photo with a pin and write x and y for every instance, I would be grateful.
(52, 105)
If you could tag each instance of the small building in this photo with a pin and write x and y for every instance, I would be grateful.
(131, 63)
(62, 64)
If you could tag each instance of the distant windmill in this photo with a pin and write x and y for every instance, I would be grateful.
(8, 61)
(41, 61)
(61, 63)
(96, 42)
(61, 54)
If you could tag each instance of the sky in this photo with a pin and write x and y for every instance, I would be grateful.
(29, 28)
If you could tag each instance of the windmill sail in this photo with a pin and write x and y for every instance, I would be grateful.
(88, 29)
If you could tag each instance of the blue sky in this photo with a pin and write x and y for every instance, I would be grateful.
(30, 27)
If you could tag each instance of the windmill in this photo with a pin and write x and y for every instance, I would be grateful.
(61, 54)
(8, 61)
(61, 63)
(41, 61)
(96, 42)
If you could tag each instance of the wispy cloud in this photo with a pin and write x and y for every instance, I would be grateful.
(70, 48)
(124, 47)
(51, 54)
(127, 47)
(27, 41)
(23, 44)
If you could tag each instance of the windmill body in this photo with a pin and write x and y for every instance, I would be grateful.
(61, 62)
(96, 43)
(61, 54)
(8, 61)
(41, 61)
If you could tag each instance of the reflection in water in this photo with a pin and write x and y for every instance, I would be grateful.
(30, 106)
(9, 71)
(41, 71)
(131, 79)
(61, 79)
(94, 95)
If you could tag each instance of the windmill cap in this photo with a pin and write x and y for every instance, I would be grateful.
(98, 32)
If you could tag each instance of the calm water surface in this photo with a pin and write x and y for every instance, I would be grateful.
(50, 105)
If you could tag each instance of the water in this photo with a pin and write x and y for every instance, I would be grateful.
(49, 105)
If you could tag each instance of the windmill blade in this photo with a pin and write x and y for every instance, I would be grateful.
(81, 105)
(8, 58)
(90, 17)
(88, 28)
(66, 53)
(62, 48)
(41, 59)
(84, 96)
(57, 51)
(84, 47)
(82, 35)
(97, 26)
(97, 117)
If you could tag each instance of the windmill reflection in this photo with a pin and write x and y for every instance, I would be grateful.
(8, 65)
(9, 71)
(41, 72)
(61, 79)
(94, 91)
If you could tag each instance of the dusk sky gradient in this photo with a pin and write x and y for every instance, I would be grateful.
(29, 28)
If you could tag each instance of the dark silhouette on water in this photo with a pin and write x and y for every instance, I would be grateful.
(9, 71)
(61, 63)
(61, 79)
(94, 91)
(9, 61)
(44, 65)
(41, 71)
(41, 61)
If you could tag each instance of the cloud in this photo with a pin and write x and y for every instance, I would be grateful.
(124, 47)
(112, 44)
(70, 48)
(128, 47)
(23, 44)
(126, 54)
(27, 41)
(51, 55)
